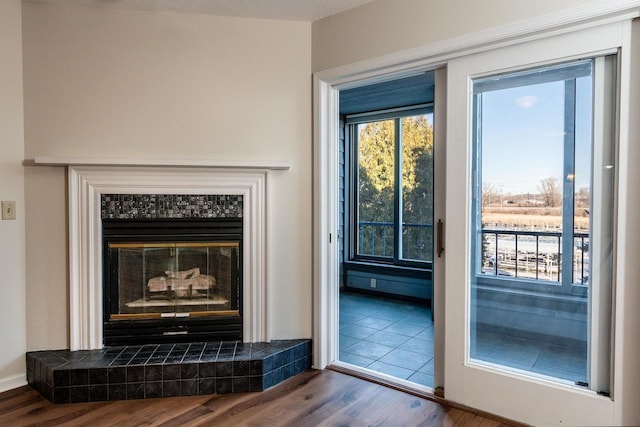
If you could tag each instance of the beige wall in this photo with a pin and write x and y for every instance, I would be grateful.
(46, 275)
(388, 26)
(103, 82)
(12, 234)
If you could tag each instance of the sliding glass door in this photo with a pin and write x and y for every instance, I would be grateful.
(531, 199)
(543, 203)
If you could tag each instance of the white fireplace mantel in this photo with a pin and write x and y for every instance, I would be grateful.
(89, 180)
(113, 161)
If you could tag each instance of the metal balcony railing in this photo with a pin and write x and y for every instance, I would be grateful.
(376, 239)
(523, 254)
(533, 255)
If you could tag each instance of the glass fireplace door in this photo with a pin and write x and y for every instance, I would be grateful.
(156, 280)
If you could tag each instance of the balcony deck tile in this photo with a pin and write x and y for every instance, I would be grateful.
(354, 359)
(413, 320)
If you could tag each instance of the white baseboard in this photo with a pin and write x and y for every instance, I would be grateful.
(15, 381)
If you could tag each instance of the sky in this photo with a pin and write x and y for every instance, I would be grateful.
(523, 136)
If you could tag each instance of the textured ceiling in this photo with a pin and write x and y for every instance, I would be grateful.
(290, 10)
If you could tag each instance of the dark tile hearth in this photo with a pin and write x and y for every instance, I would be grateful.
(164, 370)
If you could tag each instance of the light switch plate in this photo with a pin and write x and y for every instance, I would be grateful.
(8, 210)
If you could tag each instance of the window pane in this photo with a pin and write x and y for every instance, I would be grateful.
(376, 147)
(532, 224)
(417, 188)
(521, 172)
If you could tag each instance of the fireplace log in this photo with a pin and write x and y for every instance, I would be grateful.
(181, 284)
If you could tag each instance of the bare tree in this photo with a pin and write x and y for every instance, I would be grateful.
(549, 192)
(583, 198)
(489, 194)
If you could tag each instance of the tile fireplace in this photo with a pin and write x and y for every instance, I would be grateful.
(175, 244)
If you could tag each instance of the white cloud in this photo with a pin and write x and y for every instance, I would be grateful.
(527, 101)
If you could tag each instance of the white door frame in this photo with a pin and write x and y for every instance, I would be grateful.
(326, 222)
(325, 198)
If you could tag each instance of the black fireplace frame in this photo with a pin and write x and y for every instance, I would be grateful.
(171, 329)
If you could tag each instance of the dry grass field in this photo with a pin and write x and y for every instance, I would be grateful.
(532, 218)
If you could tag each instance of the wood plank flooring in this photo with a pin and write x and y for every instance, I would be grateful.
(313, 398)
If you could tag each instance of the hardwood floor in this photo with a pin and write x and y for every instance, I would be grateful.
(313, 398)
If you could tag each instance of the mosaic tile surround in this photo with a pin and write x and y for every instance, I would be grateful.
(165, 370)
(170, 206)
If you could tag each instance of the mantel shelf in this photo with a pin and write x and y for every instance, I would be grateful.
(196, 163)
